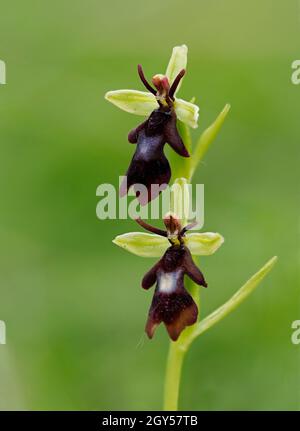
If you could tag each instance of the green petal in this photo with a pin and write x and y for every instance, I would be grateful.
(142, 244)
(187, 112)
(133, 101)
(203, 243)
(177, 62)
(180, 199)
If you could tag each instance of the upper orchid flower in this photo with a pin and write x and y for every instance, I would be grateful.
(149, 165)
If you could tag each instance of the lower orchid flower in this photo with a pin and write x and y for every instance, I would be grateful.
(171, 304)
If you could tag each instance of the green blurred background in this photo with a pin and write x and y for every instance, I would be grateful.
(71, 300)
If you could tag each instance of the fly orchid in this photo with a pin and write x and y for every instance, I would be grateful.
(172, 304)
(149, 165)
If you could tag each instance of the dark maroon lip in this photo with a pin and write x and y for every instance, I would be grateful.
(172, 304)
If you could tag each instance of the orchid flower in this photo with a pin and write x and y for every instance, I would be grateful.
(143, 103)
(149, 165)
(172, 304)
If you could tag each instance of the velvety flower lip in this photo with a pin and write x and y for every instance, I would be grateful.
(149, 165)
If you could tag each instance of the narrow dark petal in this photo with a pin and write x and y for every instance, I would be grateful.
(173, 138)
(150, 228)
(176, 310)
(192, 270)
(151, 276)
(188, 227)
(176, 83)
(134, 133)
(144, 80)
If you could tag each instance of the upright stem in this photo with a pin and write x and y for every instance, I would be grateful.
(173, 376)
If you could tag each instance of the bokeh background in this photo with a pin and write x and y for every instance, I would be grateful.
(71, 300)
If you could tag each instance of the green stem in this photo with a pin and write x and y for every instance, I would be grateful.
(173, 375)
